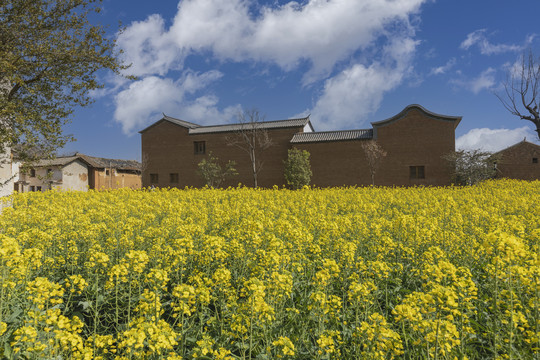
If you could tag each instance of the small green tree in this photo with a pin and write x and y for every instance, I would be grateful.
(471, 166)
(297, 168)
(213, 173)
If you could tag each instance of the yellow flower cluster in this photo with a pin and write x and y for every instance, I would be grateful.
(348, 273)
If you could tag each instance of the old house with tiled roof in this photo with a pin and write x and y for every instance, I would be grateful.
(415, 141)
(519, 161)
(79, 172)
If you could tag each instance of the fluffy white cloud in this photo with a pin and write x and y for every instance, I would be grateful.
(144, 101)
(321, 31)
(356, 92)
(149, 48)
(375, 36)
(484, 81)
(479, 39)
(493, 139)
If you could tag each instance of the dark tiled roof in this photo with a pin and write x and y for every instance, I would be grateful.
(262, 125)
(92, 161)
(321, 136)
(119, 164)
(180, 122)
(59, 161)
(523, 142)
(176, 121)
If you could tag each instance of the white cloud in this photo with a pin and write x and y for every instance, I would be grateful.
(144, 100)
(443, 69)
(320, 31)
(149, 48)
(356, 92)
(493, 139)
(479, 39)
(485, 81)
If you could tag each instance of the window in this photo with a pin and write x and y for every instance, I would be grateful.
(49, 171)
(199, 147)
(154, 178)
(173, 178)
(535, 160)
(417, 172)
(32, 188)
(107, 172)
(32, 173)
(38, 188)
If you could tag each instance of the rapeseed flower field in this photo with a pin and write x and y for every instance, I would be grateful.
(352, 273)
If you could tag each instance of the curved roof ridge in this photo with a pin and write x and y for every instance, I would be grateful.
(410, 107)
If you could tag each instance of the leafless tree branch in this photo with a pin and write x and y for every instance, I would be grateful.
(252, 138)
(521, 97)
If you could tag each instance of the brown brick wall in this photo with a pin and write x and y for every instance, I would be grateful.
(414, 139)
(169, 148)
(338, 163)
(516, 162)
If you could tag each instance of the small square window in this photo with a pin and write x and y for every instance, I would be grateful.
(154, 178)
(32, 188)
(32, 172)
(535, 160)
(38, 188)
(417, 172)
(173, 178)
(107, 172)
(199, 147)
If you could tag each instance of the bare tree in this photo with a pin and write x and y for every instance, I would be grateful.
(374, 154)
(522, 97)
(251, 137)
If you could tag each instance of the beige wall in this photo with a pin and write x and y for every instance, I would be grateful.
(6, 173)
(111, 178)
(75, 176)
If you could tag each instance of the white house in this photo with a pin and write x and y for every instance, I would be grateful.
(6, 173)
(67, 173)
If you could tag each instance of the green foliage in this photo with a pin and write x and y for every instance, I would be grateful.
(297, 168)
(49, 58)
(472, 166)
(213, 173)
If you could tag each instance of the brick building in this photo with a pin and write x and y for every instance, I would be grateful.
(415, 141)
(519, 161)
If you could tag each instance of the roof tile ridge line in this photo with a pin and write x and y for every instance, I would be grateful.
(516, 144)
(112, 159)
(167, 117)
(256, 122)
(331, 131)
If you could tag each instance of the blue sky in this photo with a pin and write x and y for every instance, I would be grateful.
(345, 62)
